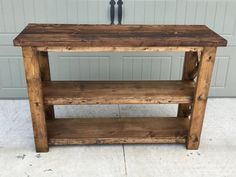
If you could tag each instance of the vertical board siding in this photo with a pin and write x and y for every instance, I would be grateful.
(80, 67)
(152, 68)
(28, 8)
(170, 12)
(221, 76)
(229, 22)
(15, 14)
(201, 11)
(160, 12)
(8, 15)
(2, 19)
(13, 74)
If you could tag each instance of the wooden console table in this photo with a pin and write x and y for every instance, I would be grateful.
(197, 41)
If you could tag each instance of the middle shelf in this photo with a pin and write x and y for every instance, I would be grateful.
(117, 92)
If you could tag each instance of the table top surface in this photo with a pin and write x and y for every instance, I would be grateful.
(64, 35)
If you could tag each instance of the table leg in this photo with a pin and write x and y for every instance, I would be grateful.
(45, 76)
(33, 78)
(200, 98)
(190, 65)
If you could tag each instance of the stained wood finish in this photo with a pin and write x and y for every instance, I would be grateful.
(45, 76)
(66, 35)
(190, 61)
(33, 77)
(119, 49)
(117, 130)
(201, 94)
(118, 92)
(38, 39)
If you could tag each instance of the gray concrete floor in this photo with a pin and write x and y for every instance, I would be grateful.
(216, 156)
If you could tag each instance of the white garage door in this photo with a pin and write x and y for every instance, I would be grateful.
(16, 14)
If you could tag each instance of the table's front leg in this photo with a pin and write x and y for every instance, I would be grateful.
(35, 93)
(200, 97)
(46, 76)
(189, 68)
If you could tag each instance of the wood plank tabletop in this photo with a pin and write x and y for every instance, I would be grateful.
(41, 35)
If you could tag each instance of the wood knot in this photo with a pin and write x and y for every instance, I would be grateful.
(202, 97)
(194, 138)
(37, 103)
(99, 141)
(151, 134)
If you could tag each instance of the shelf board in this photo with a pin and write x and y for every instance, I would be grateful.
(117, 92)
(117, 130)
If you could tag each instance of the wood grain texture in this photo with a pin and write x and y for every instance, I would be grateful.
(200, 99)
(45, 76)
(194, 39)
(33, 77)
(117, 92)
(190, 61)
(119, 49)
(117, 130)
(45, 35)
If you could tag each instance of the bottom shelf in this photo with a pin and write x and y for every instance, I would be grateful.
(117, 130)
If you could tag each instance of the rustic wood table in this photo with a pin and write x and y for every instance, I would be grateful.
(197, 41)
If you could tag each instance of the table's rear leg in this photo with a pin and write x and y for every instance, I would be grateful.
(45, 76)
(200, 98)
(189, 70)
(33, 78)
